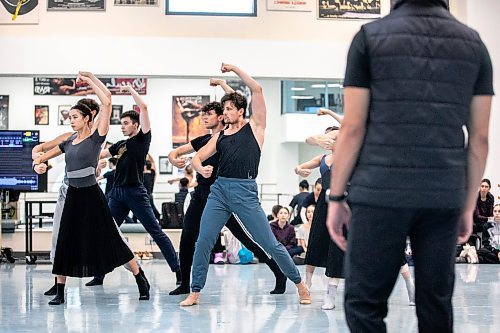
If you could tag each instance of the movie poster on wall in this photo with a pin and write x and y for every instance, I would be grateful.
(4, 112)
(290, 5)
(41, 114)
(69, 86)
(348, 9)
(28, 12)
(81, 5)
(186, 118)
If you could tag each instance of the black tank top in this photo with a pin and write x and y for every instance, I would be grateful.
(239, 154)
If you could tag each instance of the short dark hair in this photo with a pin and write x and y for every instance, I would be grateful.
(283, 207)
(276, 209)
(422, 2)
(84, 110)
(91, 104)
(304, 184)
(113, 160)
(486, 180)
(184, 182)
(133, 115)
(331, 128)
(148, 165)
(318, 181)
(216, 106)
(238, 100)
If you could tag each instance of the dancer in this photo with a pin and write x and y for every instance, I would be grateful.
(87, 226)
(235, 190)
(213, 120)
(412, 170)
(128, 192)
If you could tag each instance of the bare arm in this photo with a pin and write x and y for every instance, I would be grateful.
(223, 84)
(104, 154)
(46, 146)
(101, 86)
(205, 152)
(143, 115)
(259, 110)
(478, 127)
(176, 156)
(40, 160)
(324, 141)
(328, 112)
(304, 169)
(105, 113)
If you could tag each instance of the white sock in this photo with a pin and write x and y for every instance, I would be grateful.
(329, 302)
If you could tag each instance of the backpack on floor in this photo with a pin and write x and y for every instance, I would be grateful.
(172, 215)
(233, 247)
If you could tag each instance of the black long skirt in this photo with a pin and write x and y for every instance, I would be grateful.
(319, 240)
(89, 242)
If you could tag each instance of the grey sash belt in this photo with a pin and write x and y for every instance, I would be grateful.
(81, 173)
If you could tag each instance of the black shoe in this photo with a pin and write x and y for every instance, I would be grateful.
(59, 299)
(178, 278)
(280, 286)
(95, 282)
(53, 290)
(142, 285)
(144, 276)
(180, 290)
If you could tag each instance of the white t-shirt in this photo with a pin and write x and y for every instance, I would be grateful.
(303, 233)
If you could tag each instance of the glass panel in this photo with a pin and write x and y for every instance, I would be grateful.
(309, 96)
(211, 7)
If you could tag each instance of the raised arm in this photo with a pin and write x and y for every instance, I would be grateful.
(176, 156)
(101, 86)
(259, 110)
(325, 141)
(304, 169)
(46, 146)
(223, 84)
(205, 152)
(143, 115)
(328, 112)
(105, 113)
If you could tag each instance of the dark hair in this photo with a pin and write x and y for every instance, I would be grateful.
(485, 180)
(422, 3)
(91, 104)
(276, 209)
(304, 184)
(331, 128)
(84, 110)
(148, 165)
(213, 106)
(184, 182)
(113, 160)
(318, 181)
(283, 207)
(133, 115)
(238, 100)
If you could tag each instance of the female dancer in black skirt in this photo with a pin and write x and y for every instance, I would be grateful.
(87, 226)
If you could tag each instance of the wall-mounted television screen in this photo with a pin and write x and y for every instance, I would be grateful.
(16, 171)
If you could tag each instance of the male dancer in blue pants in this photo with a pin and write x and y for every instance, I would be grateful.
(235, 190)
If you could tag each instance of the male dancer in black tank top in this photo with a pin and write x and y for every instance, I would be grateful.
(235, 190)
(213, 120)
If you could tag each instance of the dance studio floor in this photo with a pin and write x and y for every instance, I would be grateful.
(235, 299)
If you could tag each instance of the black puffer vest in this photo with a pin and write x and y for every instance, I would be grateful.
(423, 68)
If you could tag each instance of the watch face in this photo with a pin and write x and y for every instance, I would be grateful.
(26, 6)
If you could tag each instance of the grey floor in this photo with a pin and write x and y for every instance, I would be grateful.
(235, 299)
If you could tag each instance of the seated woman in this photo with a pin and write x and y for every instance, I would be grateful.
(484, 206)
(285, 233)
(490, 253)
(304, 229)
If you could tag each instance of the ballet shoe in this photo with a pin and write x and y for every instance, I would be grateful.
(142, 285)
(192, 299)
(53, 290)
(280, 286)
(59, 299)
(95, 282)
(304, 294)
(144, 276)
(180, 290)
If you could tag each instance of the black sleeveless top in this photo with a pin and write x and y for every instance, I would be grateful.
(213, 160)
(239, 154)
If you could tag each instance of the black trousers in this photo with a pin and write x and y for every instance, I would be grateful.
(377, 237)
(191, 229)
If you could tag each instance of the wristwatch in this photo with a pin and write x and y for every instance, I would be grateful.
(335, 198)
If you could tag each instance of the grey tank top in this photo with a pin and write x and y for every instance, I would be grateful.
(81, 159)
(66, 181)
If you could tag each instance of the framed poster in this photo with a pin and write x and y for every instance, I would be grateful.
(290, 5)
(63, 115)
(41, 114)
(84, 5)
(28, 12)
(348, 9)
(186, 118)
(69, 86)
(165, 168)
(211, 7)
(116, 112)
(148, 3)
(4, 112)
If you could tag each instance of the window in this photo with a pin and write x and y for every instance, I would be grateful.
(212, 7)
(309, 96)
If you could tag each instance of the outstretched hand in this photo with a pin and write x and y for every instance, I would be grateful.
(127, 88)
(216, 82)
(226, 68)
(40, 168)
(322, 112)
(83, 78)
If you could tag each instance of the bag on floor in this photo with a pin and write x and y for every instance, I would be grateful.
(233, 247)
(245, 255)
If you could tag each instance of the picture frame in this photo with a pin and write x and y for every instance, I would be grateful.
(290, 5)
(4, 112)
(76, 5)
(41, 114)
(63, 115)
(211, 7)
(348, 9)
(136, 3)
(116, 112)
(164, 166)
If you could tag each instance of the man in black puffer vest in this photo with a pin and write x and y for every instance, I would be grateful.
(413, 144)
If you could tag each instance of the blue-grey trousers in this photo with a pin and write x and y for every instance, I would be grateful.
(238, 196)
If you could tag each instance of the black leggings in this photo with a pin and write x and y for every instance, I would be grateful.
(191, 229)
